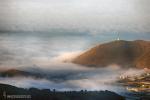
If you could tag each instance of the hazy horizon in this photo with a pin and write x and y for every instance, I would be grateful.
(93, 16)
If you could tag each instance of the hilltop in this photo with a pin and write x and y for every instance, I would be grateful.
(123, 53)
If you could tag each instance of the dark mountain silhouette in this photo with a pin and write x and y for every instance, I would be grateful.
(122, 53)
(15, 72)
(52, 75)
(7, 92)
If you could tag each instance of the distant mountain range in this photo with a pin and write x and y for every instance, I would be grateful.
(126, 54)
(19, 73)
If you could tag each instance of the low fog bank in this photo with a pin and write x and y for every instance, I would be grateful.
(64, 80)
(49, 58)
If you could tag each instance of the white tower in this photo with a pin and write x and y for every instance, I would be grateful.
(118, 38)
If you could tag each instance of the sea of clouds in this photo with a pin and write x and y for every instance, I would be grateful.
(51, 58)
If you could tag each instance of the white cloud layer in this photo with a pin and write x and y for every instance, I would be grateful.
(87, 79)
(96, 16)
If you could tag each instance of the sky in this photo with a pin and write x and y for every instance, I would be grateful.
(89, 16)
(46, 29)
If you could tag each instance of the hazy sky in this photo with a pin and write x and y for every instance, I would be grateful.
(94, 16)
(62, 26)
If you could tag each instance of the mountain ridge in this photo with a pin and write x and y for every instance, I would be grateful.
(123, 53)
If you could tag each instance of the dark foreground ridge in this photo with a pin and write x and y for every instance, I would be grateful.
(8, 92)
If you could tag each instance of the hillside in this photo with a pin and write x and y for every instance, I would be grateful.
(122, 53)
(19, 73)
(7, 92)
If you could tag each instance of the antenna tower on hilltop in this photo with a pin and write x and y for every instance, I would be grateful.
(118, 37)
